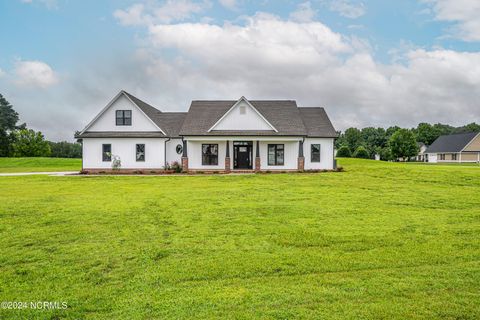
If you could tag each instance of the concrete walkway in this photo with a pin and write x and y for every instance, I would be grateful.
(61, 173)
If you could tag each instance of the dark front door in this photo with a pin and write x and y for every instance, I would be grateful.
(242, 155)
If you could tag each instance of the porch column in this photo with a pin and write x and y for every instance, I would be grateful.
(257, 157)
(301, 158)
(185, 157)
(227, 157)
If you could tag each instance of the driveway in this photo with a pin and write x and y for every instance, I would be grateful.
(60, 173)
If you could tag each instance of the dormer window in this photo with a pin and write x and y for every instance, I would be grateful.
(123, 117)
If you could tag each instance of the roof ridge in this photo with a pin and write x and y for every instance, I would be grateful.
(139, 100)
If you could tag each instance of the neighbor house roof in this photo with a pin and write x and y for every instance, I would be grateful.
(451, 143)
(283, 115)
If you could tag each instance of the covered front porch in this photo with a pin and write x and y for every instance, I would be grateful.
(242, 154)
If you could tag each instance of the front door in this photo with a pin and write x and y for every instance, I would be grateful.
(242, 154)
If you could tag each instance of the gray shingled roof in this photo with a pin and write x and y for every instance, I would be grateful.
(284, 115)
(317, 123)
(451, 143)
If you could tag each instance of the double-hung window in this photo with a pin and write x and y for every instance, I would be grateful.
(140, 152)
(106, 152)
(123, 117)
(209, 154)
(276, 154)
(315, 153)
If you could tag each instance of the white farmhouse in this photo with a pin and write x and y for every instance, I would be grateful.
(218, 135)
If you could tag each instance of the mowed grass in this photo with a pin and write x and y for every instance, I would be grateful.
(379, 241)
(9, 165)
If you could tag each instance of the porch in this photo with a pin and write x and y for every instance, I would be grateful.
(242, 154)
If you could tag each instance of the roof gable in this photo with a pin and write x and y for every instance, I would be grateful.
(451, 143)
(142, 114)
(283, 115)
(242, 116)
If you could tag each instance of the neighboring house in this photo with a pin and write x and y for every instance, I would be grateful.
(463, 147)
(213, 135)
(422, 156)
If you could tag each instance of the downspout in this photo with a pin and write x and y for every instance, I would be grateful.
(165, 153)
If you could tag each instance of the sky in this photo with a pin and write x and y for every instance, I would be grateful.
(369, 62)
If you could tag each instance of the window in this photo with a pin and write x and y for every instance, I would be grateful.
(454, 156)
(209, 154)
(275, 154)
(123, 117)
(315, 153)
(140, 152)
(106, 152)
(179, 149)
(442, 156)
(243, 110)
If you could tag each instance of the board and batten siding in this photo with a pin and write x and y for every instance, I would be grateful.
(125, 148)
(106, 121)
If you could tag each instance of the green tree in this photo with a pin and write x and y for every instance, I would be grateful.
(361, 152)
(8, 123)
(29, 143)
(403, 144)
(373, 138)
(64, 149)
(344, 152)
(426, 133)
(353, 138)
(471, 127)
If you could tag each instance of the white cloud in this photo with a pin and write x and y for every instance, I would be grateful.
(229, 4)
(304, 13)
(465, 14)
(267, 57)
(34, 74)
(347, 9)
(153, 12)
(2, 73)
(263, 57)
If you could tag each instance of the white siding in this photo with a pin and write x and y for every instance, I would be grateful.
(172, 154)
(326, 153)
(235, 120)
(290, 155)
(194, 149)
(106, 122)
(125, 149)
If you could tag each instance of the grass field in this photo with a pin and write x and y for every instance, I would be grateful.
(379, 241)
(8, 165)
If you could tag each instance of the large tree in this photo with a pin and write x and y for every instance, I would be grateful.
(29, 143)
(353, 138)
(403, 144)
(8, 123)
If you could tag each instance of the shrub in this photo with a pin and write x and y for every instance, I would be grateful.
(361, 152)
(176, 166)
(344, 152)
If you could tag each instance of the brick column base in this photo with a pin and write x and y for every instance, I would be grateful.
(227, 164)
(257, 164)
(301, 163)
(185, 164)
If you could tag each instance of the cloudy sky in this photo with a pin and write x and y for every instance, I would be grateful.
(368, 62)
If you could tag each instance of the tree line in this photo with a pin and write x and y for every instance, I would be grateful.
(16, 140)
(394, 142)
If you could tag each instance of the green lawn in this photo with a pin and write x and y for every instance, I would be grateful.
(379, 241)
(39, 164)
